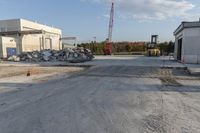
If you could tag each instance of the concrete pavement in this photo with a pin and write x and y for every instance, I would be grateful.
(119, 95)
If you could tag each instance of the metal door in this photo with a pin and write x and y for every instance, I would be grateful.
(11, 51)
(179, 50)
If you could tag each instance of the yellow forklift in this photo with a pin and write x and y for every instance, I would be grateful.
(152, 48)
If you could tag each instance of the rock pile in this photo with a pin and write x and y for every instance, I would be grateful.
(75, 55)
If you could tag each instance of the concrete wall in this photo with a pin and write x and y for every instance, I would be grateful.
(191, 51)
(6, 42)
(190, 45)
(31, 43)
(40, 42)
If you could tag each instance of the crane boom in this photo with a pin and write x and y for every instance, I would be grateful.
(111, 23)
(108, 44)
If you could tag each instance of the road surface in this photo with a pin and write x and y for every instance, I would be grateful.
(105, 99)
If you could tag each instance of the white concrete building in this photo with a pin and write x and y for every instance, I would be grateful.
(19, 35)
(187, 42)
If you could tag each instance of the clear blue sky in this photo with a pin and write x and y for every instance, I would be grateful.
(135, 20)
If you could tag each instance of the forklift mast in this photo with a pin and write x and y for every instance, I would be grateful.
(154, 42)
(154, 39)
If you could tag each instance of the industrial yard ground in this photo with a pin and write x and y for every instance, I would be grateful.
(117, 94)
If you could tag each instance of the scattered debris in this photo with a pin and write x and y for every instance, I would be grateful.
(14, 58)
(75, 55)
(28, 74)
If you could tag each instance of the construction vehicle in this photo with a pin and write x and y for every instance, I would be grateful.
(108, 43)
(107, 48)
(152, 48)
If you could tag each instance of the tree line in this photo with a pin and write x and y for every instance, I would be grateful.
(127, 47)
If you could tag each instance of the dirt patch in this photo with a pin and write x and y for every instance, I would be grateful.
(6, 72)
(169, 81)
(28, 75)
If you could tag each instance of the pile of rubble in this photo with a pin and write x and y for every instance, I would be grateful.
(75, 55)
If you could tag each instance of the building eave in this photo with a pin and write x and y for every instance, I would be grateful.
(184, 25)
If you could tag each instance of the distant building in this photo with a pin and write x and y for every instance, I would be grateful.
(187, 42)
(19, 35)
(66, 45)
(69, 42)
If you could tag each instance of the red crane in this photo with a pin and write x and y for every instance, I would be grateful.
(111, 22)
(108, 44)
